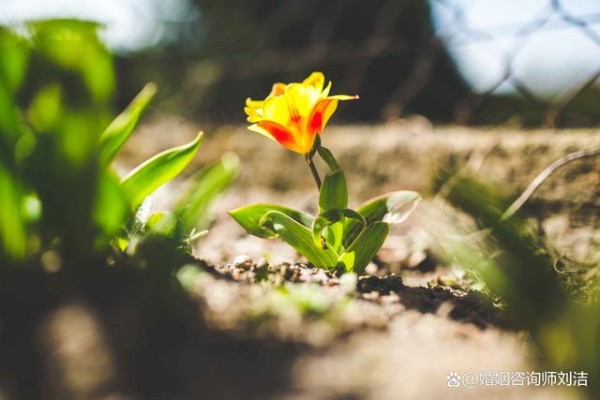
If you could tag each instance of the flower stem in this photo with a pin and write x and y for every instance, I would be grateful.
(313, 170)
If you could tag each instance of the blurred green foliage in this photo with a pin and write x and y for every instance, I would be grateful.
(518, 266)
(72, 230)
(57, 142)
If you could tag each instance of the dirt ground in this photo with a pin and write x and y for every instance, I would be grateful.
(400, 330)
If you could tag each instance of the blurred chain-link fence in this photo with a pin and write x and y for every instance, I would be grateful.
(551, 16)
(402, 56)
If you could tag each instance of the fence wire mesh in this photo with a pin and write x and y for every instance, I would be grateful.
(553, 16)
(398, 57)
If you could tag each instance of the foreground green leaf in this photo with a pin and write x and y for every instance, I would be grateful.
(206, 186)
(249, 218)
(13, 239)
(119, 130)
(111, 207)
(300, 238)
(158, 170)
(14, 54)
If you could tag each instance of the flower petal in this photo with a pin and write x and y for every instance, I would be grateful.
(277, 89)
(253, 114)
(316, 80)
(343, 97)
(276, 109)
(258, 129)
(300, 101)
(280, 133)
(321, 113)
(323, 110)
(254, 103)
(325, 91)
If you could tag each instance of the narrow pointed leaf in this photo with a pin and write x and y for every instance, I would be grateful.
(364, 248)
(158, 170)
(394, 208)
(206, 186)
(119, 130)
(249, 218)
(13, 235)
(300, 238)
(111, 207)
(14, 54)
(334, 192)
(329, 159)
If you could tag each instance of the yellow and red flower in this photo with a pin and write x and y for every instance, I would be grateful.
(294, 114)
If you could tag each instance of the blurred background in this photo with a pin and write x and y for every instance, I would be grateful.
(527, 63)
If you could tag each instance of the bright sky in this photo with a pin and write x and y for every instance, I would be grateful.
(131, 24)
(548, 61)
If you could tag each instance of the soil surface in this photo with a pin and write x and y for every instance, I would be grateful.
(398, 331)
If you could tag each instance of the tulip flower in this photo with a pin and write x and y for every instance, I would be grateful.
(294, 114)
(338, 237)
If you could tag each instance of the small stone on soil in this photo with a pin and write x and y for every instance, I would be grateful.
(243, 261)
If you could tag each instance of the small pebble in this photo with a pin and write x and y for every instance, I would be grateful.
(371, 269)
(348, 282)
(243, 261)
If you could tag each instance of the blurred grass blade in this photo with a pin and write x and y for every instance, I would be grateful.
(158, 170)
(249, 217)
(394, 208)
(334, 192)
(363, 249)
(520, 272)
(300, 238)
(111, 207)
(74, 45)
(119, 130)
(13, 237)
(207, 185)
(14, 54)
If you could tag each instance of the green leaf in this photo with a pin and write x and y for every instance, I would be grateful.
(300, 238)
(162, 223)
(14, 51)
(111, 207)
(158, 170)
(394, 208)
(360, 253)
(334, 192)
(249, 218)
(332, 217)
(14, 55)
(73, 45)
(329, 159)
(119, 130)
(206, 186)
(13, 236)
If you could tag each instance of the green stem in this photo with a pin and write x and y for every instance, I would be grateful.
(313, 170)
